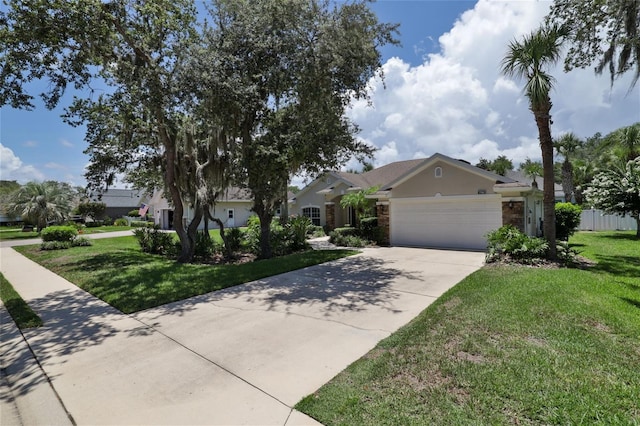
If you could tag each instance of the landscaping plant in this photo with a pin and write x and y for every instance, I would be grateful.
(567, 220)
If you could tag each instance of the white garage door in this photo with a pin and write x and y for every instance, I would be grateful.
(444, 222)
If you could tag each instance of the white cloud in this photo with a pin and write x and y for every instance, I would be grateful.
(457, 102)
(56, 166)
(12, 168)
(66, 143)
(30, 144)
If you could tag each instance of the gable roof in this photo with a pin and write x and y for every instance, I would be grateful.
(424, 163)
(114, 197)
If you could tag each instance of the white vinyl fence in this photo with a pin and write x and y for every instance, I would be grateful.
(596, 220)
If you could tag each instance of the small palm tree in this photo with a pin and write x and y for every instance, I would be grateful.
(531, 169)
(567, 146)
(629, 142)
(528, 59)
(41, 202)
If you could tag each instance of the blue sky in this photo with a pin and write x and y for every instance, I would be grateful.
(443, 94)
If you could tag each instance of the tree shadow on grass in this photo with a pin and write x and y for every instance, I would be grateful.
(631, 302)
(627, 266)
(620, 236)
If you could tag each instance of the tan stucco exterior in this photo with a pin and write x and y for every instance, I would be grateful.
(453, 181)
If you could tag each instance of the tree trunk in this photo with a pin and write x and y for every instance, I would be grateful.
(265, 234)
(227, 251)
(567, 181)
(638, 226)
(548, 198)
(187, 243)
(284, 211)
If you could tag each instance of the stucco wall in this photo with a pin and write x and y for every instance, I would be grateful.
(454, 181)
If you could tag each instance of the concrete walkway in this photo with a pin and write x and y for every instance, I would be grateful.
(244, 355)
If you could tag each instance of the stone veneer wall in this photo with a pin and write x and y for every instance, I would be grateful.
(513, 215)
(330, 212)
(383, 222)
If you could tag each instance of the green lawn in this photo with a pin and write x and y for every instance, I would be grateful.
(116, 271)
(508, 345)
(21, 313)
(15, 233)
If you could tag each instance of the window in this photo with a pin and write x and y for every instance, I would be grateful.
(438, 172)
(312, 213)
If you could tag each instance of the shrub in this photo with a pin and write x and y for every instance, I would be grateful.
(567, 220)
(346, 240)
(234, 239)
(285, 238)
(153, 240)
(345, 231)
(107, 221)
(55, 245)
(134, 213)
(370, 230)
(141, 224)
(94, 224)
(59, 233)
(81, 242)
(299, 227)
(566, 254)
(316, 231)
(508, 242)
(121, 222)
(204, 245)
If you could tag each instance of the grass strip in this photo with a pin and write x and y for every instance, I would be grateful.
(508, 345)
(21, 313)
(116, 271)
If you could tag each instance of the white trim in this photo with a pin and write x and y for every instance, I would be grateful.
(326, 203)
(448, 198)
(382, 203)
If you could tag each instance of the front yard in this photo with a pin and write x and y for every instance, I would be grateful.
(508, 345)
(116, 271)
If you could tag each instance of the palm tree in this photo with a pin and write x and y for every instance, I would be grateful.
(528, 59)
(583, 172)
(567, 146)
(629, 141)
(41, 202)
(531, 169)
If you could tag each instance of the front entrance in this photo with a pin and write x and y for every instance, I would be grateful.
(231, 218)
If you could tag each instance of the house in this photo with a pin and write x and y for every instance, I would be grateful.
(433, 202)
(234, 209)
(119, 202)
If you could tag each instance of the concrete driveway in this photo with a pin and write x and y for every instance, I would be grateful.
(244, 355)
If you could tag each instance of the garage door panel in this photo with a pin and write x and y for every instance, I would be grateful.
(461, 223)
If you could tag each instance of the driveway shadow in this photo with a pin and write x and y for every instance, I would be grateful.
(352, 284)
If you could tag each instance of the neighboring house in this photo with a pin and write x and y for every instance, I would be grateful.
(432, 202)
(521, 177)
(119, 202)
(234, 209)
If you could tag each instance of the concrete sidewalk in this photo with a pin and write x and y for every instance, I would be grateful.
(244, 355)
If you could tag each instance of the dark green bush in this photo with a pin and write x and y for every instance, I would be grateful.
(345, 231)
(509, 243)
(59, 233)
(285, 238)
(94, 224)
(107, 221)
(55, 245)
(153, 240)
(347, 240)
(141, 224)
(567, 220)
(121, 222)
(81, 242)
(234, 239)
(370, 230)
(316, 231)
(134, 213)
(204, 245)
